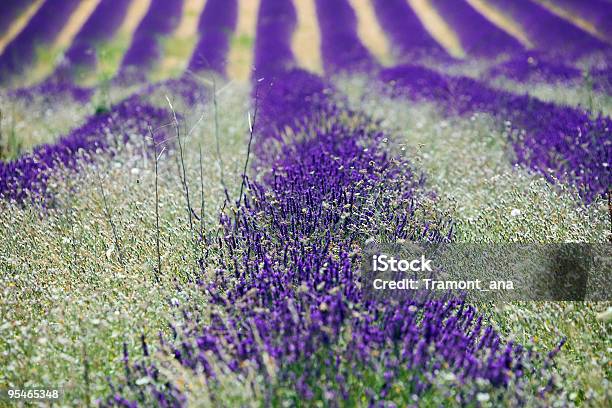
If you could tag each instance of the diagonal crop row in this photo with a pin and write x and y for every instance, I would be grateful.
(10, 11)
(478, 36)
(28, 174)
(161, 19)
(286, 299)
(547, 31)
(42, 29)
(562, 143)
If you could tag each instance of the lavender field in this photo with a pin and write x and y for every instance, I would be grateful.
(189, 190)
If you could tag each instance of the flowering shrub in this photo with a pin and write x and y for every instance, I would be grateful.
(341, 48)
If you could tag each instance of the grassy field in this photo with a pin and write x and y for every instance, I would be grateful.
(79, 277)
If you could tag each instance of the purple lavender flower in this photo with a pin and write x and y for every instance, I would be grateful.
(288, 287)
(52, 90)
(276, 21)
(596, 12)
(100, 26)
(10, 11)
(556, 141)
(535, 66)
(26, 177)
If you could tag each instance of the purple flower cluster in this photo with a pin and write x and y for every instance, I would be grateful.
(163, 17)
(406, 32)
(478, 36)
(340, 46)
(27, 176)
(288, 287)
(602, 79)
(217, 23)
(559, 142)
(547, 31)
(534, 66)
(41, 29)
(54, 90)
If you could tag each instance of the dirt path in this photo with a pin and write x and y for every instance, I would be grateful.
(19, 24)
(502, 21)
(179, 46)
(573, 18)
(306, 41)
(437, 27)
(370, 32)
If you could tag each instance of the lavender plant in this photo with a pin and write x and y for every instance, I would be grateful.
(10, 10)
(406, 32)
(340, 46)
(287, 294)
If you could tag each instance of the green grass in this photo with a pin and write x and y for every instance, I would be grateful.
(69, 299)
(467, 165)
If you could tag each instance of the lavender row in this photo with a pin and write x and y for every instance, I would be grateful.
(288, 287)
(217, 23)
(42, 29)
(341, 48)
(27, 176)
(100, 26)
(547, 31)
(276, 21)
(561, 143)
(478, 36)
(10, 10)
(596, 12)
(533, 66)
(161, 19)
(406, 32)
